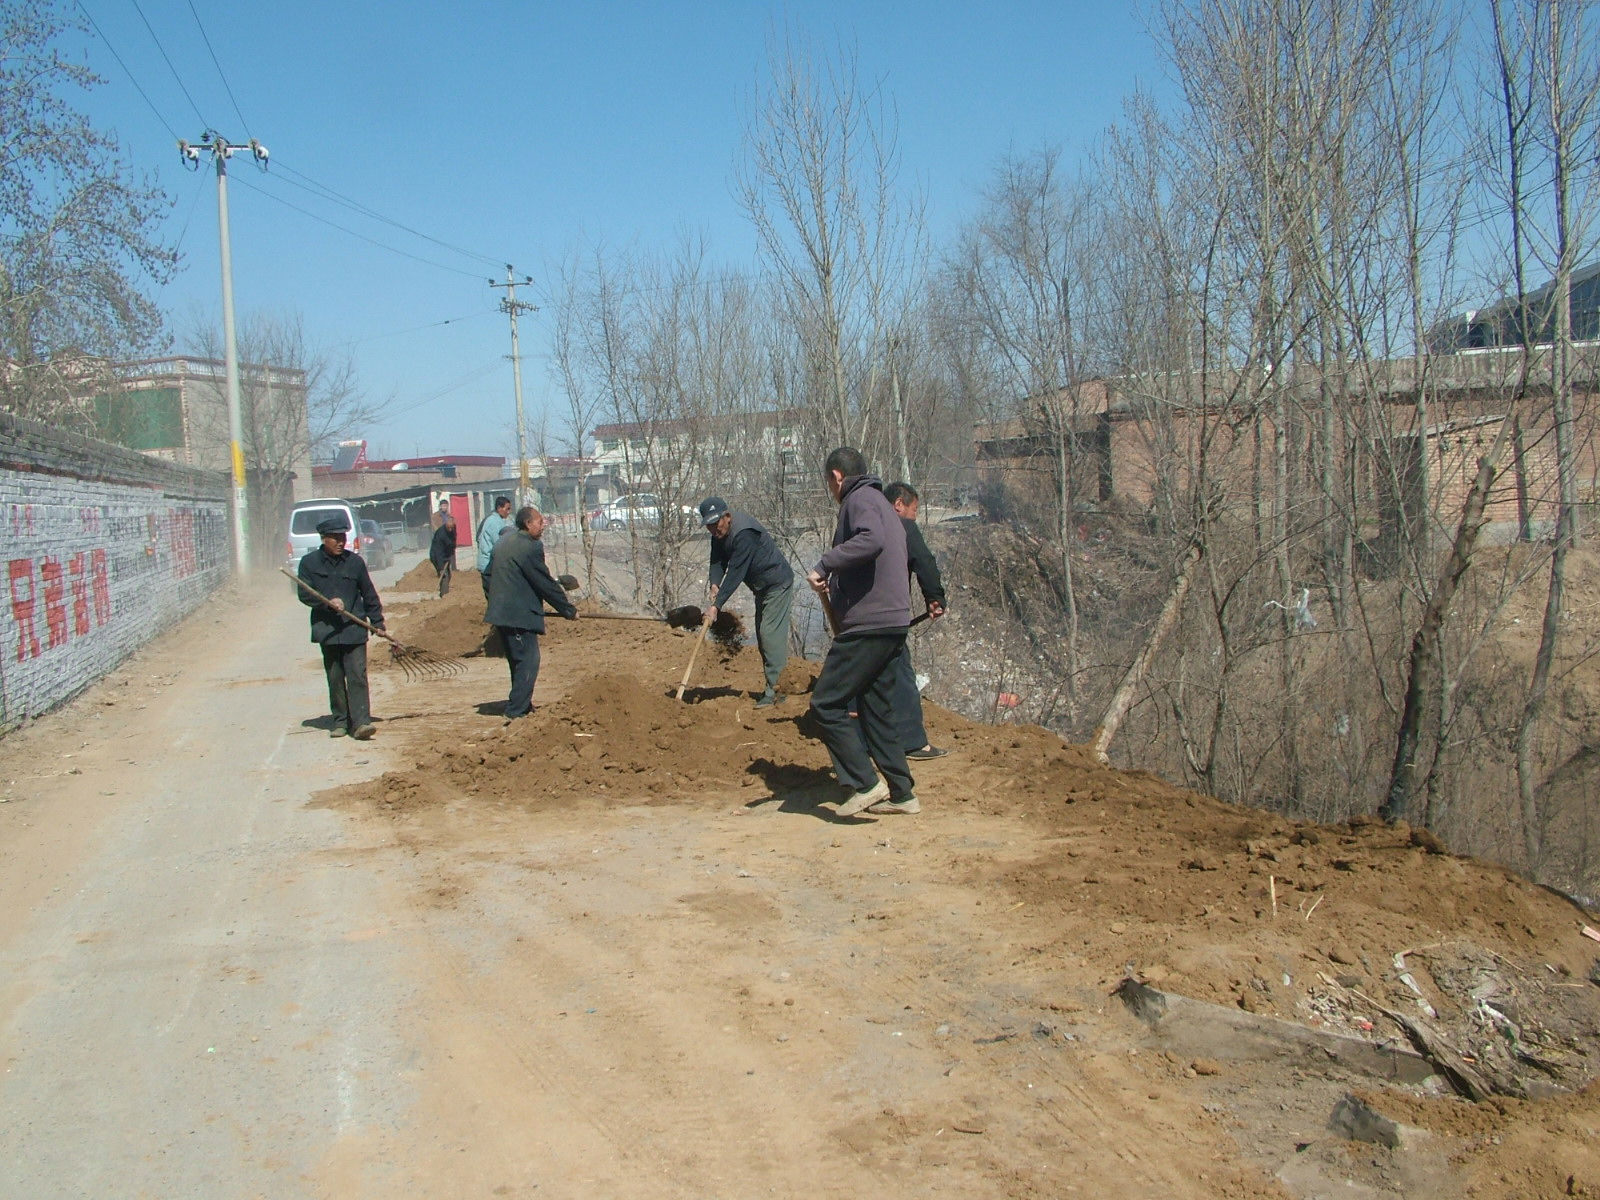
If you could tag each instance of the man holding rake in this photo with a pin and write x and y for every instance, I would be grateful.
(343, 579)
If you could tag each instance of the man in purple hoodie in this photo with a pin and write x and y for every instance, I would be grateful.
(866, 582)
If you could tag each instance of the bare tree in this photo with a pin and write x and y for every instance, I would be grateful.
(819, 184)
(297, 401)
(1549, 86)
(78, 232)
(1025, 273)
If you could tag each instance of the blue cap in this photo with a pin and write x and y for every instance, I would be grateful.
(711, 510)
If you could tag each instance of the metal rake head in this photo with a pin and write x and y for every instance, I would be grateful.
(419, 664)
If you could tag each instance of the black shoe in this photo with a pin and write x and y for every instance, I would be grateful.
(338, 731)
(929, 751)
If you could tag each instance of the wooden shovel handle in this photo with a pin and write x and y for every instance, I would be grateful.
(821, 592)
(705, 628)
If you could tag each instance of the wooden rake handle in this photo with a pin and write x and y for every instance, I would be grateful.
(316, 595)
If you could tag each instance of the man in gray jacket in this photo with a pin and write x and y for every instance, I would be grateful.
(742, 551)
(866, 581)
(519, 587)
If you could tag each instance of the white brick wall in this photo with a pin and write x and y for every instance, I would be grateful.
(104, 549)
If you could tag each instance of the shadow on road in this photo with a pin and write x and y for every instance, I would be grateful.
(802, 790)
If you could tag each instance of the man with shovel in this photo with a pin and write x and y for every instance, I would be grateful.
(519, 587)
(442, 549)
(742, 551)
(908, 697)
(864, 582)
(342, 577)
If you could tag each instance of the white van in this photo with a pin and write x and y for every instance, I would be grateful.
(303, 522)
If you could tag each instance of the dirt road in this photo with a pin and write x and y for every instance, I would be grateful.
(205, 986)
(530, 962)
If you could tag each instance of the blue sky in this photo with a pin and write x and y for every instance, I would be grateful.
(520, 132)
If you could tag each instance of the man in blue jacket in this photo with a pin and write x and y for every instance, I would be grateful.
(742, 551)
(519, 587)
(488, 537)
(342, 577)
(866, 581)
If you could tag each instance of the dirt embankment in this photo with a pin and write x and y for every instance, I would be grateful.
(1340, 927)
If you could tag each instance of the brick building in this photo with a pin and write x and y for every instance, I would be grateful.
(352, 473)
(176, 409)
(1133, 443)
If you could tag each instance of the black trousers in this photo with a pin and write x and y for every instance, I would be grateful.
(346, 668)
(908, 702)
(522, 656)
(446, 570)
(860, 670)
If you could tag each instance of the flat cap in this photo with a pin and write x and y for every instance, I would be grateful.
(338, 523)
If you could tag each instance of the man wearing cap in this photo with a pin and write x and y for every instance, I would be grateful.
(520, 586)
(442, 549)
(908, 698)
(488, 537)
(342, 577)
(742, 551)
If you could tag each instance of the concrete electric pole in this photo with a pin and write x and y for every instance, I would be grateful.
(512, 306)
(220, 150)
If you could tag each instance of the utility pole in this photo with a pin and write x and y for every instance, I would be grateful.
(221, 151)
(511, 306)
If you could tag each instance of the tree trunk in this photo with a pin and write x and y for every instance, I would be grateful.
(1122, 699)
(1425, 675)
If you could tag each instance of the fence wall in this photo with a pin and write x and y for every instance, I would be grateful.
(104, 549)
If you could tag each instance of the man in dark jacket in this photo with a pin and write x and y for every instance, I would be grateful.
(519, 587)
(442, 549)
(342, 577)
(908, 697)
(866, 581)
(742, 551)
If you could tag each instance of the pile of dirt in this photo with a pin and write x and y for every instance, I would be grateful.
(420, 578)
(450, 626)
(1129, 874)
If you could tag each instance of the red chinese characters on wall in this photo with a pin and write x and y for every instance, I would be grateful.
(85, 578)
(180, 526)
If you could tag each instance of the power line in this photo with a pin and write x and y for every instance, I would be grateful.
(327, 193)
(470, 377)
(415, 328)
(193, 204)
(218, 66)
(100, 33)
(168, 61)
(363, 237)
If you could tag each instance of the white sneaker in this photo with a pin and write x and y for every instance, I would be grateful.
(907, 804)
(862, 801)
